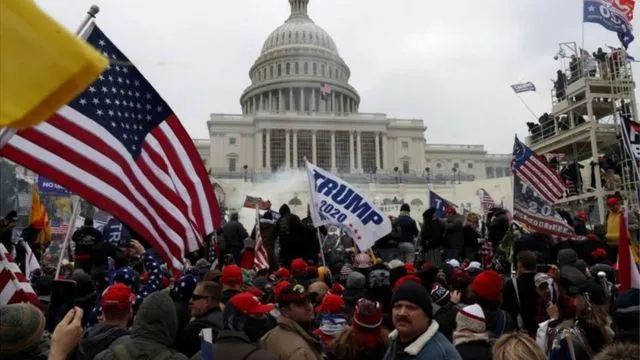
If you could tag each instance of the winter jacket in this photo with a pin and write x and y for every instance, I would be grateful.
(431, 345)
(446, 318)
(234, 345)
(454, 233)
(432, 232)
(407, 226)
(86, 238)
(613, 227)
(288, 341)
(189, 342)
(98, 338)
(527, 307)
(153, 331)
(475, 350)
(292, 235)
(234, 234)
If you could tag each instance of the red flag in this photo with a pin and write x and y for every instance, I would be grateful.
(627, 268)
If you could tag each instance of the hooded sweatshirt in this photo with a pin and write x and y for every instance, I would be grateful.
(154, 329)
(98, 338)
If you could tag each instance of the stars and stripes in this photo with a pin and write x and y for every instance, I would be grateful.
(252, 201)
(486, 201)
(534, 170)
(59, 227)
(325, 90)
(119, 146)
(14, 286)
(261, 258)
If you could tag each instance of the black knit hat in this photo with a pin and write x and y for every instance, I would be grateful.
(11, 216)
(415, 294)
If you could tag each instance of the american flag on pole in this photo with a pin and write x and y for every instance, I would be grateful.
(59, 227)
(535, 170)
(261, 258)
(325, 90)
(119, 146)
(486, 201)
(251, 202)
(14, 286)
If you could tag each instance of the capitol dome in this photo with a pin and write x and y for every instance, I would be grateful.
(299, 69)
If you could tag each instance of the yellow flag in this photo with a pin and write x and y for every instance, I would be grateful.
(38, 218)
(42, 65)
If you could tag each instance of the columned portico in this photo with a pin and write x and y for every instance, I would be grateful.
(296, 164)
(359, 150)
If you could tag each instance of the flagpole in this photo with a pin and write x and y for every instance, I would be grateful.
(91, 14)
(70, 228)
(528, 108)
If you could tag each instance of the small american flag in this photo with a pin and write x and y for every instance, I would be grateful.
(325, 90)
(14, 286)
(535, 170)
(59, 227)
(486, 201)
(251, 202)
(120, 146)
(261, 258)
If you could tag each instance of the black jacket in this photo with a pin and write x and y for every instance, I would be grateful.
(528, 301)
(233, 345)
(474, 350)
(407, 226)
(86, 238)
(293, 235)
(189, 343)
(98, 338)
(432, 234)
(234, 234)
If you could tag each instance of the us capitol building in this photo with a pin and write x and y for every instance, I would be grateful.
(300, 105)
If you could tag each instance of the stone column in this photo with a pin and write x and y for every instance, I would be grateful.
(292, 106)
(352, 166)
(377, 147)
(268, 149)
(333, 102)
(314, 147)
(333, 151)
(261, 103)
(295, 149)
(258, 151)
(359, 148)
(270, 107)
(302, 99)
(342, 103)
(287, 146)
(385, 156)
(280, 101)
(313, 99)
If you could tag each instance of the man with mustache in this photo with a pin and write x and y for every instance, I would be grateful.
(416, 336)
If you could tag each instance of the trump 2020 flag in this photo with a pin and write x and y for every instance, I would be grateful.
(613, 15)
(333, 201)
(206, 344)
(524, 87)
(440, 204)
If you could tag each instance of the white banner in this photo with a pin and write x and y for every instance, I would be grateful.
(333, 201)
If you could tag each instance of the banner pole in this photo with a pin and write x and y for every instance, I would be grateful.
(70, 228)
(91, 14)
(324, 263)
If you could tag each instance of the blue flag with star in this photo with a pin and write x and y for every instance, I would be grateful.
(612, 16)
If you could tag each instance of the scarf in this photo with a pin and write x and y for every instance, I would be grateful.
(332, 325)
(461, 337)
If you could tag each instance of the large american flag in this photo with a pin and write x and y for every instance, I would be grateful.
(261, 258)
(535, 170)
(119, 146)
(14, 286)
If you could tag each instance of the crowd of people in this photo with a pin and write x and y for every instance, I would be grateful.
(463, 287)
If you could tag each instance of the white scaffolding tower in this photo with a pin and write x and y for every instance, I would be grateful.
(588, 102)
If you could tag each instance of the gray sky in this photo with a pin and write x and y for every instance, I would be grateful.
(447, 62)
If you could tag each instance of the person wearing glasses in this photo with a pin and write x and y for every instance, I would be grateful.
(205, 313)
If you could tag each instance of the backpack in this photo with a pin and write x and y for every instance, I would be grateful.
(396, 230)
(121, 352)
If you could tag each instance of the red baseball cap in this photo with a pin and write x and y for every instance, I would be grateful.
(299, 265)
(117, 296)
(283, 273)
(247, 303)
(277, 289)
(231, 274)
(331, 304)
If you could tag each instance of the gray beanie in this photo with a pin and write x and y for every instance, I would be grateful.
(21, 327)
(356, 280)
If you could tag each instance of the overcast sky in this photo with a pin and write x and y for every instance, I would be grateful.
(449, 63)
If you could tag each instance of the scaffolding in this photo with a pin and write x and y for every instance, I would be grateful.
(590, 95)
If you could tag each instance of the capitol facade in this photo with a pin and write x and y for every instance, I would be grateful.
(300, 105)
